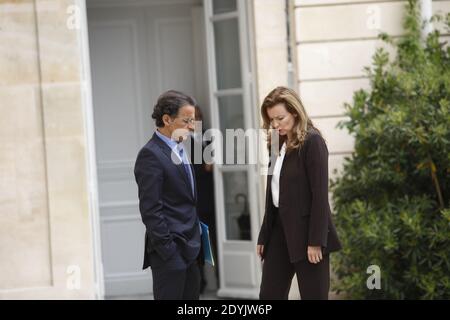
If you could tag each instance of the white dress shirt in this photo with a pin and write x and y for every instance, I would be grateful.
(276, 176)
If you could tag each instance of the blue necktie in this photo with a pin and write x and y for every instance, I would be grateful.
(187, 168)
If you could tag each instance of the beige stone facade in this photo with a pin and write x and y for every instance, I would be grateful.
(46, 247)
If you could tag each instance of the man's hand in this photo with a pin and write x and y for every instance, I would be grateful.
(314, 254)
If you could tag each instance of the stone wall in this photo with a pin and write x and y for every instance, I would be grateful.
(45, 219)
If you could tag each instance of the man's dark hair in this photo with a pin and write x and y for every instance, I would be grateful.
(169, 103)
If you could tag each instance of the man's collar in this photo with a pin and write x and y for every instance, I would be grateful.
(170, 142)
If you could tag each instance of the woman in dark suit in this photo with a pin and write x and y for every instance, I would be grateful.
(297, 233)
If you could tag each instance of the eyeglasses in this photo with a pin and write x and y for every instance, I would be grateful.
(187, 121)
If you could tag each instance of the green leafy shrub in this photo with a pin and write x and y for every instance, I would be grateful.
(392, 198)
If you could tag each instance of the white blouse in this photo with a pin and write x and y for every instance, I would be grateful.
(275, 184)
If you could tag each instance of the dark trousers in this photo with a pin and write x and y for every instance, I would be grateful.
(278, 271)
(175, 280)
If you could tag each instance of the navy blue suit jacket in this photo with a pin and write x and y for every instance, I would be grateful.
(167, 204)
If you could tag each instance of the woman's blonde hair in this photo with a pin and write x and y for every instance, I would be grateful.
(293, 104)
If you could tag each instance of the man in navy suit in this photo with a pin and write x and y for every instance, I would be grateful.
(167, 200)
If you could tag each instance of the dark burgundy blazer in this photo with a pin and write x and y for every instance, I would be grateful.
(303, 203)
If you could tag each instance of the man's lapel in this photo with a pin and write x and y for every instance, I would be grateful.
(168, 153)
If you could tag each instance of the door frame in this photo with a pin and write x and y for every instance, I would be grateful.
(249, 93)
(91, 161)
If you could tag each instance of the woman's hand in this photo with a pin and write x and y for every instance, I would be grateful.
(260, 250)
(314, 254)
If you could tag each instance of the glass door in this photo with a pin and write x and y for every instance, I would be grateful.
(236, 179)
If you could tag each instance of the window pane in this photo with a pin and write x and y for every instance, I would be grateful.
(231, 115)
(237, 214)
(231, 112)
(222, 6)
(228, 60)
